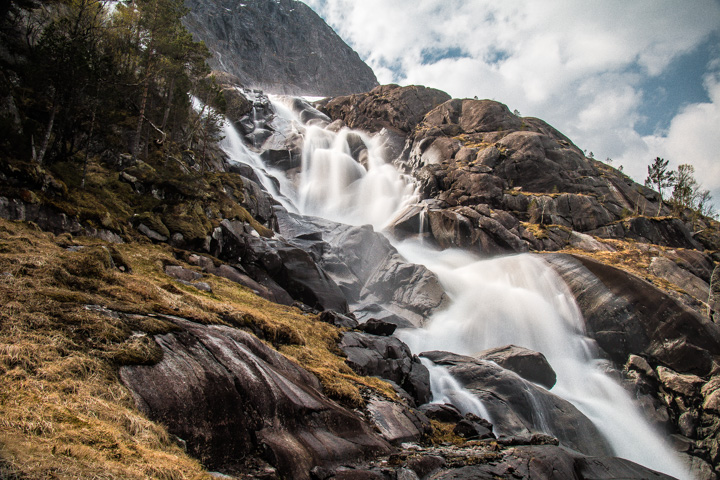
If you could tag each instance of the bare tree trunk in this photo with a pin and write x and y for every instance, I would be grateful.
(87, 147)
(48, 131)
(138, 131)
(166, 115)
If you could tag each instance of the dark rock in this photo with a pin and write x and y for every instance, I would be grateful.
(279, 46)
(442, 412)
(518, 407)
(670, 232)
(670, 271)
(392, 107)
(282, 159)
(549, 462)
(398, 423)
(390, 358)
(425, 465)
(227, 395)
(471, 430)
(377, 327)
(338, 319)
(376, 280)
(627, 315)
(151, 234)
(357, 475)
(530, 365)
(291, 268)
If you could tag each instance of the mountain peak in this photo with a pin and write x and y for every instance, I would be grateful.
(280, 46)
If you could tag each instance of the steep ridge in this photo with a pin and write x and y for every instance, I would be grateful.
(280, 46)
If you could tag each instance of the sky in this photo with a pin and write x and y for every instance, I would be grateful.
(628, 80)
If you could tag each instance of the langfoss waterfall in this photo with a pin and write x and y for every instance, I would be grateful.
(511, 300)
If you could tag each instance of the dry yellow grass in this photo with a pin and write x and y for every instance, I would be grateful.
(63, 412)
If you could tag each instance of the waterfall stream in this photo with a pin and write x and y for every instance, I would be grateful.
(516, 299)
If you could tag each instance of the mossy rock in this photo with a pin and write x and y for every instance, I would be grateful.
(152, 221)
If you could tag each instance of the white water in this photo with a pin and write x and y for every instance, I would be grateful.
(334, 186)
(509, 300)
(521, 300)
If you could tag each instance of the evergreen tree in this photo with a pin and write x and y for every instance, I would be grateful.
(659, 177)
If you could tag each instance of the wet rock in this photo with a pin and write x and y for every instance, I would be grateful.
(227, 394)
(442, 412)
(289, 267)
(397, 423)
(627, 315)
(338, 319)
(390, 358)
(377, 327)
(473, 429)
(530, 365)
(375, 279)
(519, 407)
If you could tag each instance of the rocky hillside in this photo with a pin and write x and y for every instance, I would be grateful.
(164, 316)
(280, 46)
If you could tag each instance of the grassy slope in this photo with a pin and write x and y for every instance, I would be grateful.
(63, 411)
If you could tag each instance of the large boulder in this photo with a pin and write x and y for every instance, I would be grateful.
(289, 267)
(518, 407)
(372, 275)
(530, 365)
(227, 395)
(627, 315)
(388, 358)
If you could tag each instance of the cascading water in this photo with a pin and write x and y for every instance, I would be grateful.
(344, 178)
(520, 300)
(516, 300)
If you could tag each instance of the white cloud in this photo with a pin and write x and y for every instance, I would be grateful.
(578, 65)
(693, 137)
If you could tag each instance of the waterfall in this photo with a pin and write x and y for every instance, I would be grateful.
(345, 178)
(508, 300)
(521, 300)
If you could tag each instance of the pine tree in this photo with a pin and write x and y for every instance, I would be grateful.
(660, 178)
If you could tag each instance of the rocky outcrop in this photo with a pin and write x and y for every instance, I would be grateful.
(627, 315)
(390, 359)
(530, 365)
(229, 396)
(375, 279)
(283, 269)
(399, 109)
(280, 46)
(518, 407)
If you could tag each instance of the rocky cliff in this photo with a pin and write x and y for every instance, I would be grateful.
(280, 46)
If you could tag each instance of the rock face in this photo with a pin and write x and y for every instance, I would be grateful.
(280, 46)
(375, 279)
(227, 395)
(518, 407)
(625, 315)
